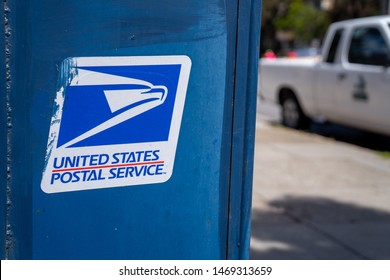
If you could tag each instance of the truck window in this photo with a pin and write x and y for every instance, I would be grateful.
(334, 46)
(368, 47)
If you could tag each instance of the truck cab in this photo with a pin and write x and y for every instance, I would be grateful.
(352, 83)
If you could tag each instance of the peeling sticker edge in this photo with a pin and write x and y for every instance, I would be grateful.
(68, 71)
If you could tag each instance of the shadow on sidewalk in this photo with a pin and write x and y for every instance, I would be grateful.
(354, 136)
(317, 228)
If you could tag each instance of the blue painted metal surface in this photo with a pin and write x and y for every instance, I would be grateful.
(203, 210)
(244, 122)
(3, 139)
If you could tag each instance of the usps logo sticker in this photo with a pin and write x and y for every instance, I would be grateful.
(116, 122)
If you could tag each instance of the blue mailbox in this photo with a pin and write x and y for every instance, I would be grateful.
(129, 128)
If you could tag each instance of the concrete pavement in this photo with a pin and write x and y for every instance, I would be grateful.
(318, 198)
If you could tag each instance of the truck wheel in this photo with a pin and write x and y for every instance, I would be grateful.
(292, 114)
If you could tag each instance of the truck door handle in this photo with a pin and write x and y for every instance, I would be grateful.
(341, 76)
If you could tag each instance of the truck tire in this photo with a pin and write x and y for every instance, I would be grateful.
(292, 114)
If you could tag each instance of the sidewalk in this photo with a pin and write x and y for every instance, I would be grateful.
(316, 198)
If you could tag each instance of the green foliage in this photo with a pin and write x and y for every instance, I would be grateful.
(385, 154)
(303, 21)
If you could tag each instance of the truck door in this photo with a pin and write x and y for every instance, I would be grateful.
(327, 82)
(364, 95)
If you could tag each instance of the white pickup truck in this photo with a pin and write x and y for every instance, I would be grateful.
(349, 84)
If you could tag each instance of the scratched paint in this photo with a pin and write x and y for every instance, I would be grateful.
(69, 70)
(3, 140)
(8, 203)
(136, 23)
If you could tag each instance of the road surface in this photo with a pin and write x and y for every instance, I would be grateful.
(315, 197)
